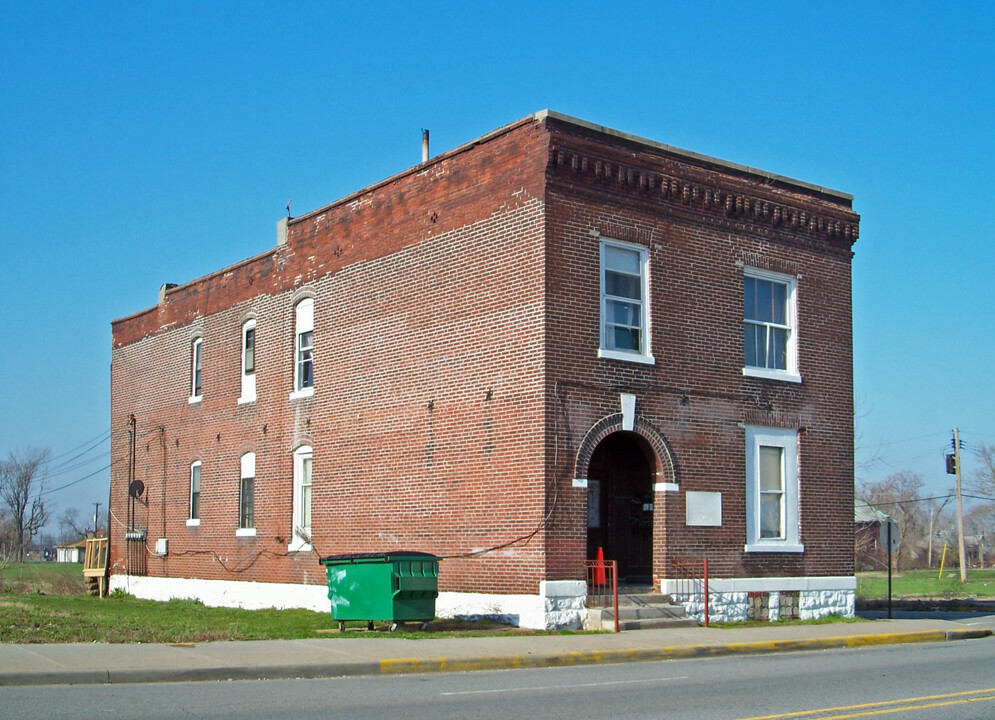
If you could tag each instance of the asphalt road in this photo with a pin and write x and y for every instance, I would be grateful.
(954, 681)
(967, 619)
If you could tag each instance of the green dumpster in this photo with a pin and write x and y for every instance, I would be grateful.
(393, 586)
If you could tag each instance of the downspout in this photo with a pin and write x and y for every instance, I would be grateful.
(162, 442)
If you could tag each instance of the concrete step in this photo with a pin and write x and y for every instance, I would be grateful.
(649, 624)
(647, 612)
(638, 611)
(644, 599)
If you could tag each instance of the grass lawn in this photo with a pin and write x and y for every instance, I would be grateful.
(48, 577)
(45, 603)
(927, 584)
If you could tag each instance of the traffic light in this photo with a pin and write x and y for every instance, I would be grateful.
(951, 464)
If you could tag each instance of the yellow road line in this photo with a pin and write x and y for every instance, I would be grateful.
(947, 699)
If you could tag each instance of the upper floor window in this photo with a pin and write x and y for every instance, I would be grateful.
(772, 490)
(304, 351)
(246, 502)
(624, 302)
(196, 369)
(302, 499)
(194, 494)
(248, 362)
(769, 336)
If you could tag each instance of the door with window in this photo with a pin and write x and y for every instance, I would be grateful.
(620, 512)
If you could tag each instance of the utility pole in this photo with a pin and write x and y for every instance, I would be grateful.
(934, 513)
(96, 514)
(960, 510)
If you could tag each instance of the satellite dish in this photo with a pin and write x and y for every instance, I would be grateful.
(136, 489)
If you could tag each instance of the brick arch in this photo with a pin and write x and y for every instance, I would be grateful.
(665, 469)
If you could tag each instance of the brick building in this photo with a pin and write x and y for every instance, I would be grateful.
(555, 338)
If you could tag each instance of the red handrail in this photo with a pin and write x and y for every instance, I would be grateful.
(602, 584)
(691, 581)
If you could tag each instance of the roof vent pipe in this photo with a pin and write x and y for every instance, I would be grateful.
(424, 145)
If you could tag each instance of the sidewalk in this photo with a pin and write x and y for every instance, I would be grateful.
(334, 656)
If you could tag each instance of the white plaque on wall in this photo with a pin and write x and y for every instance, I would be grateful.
(704, 508)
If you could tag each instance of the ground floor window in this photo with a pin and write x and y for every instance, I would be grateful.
(302, 499)
(772, 490)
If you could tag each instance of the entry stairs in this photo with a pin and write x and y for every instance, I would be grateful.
(640, 611)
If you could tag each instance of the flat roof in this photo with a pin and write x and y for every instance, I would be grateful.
(542, 114)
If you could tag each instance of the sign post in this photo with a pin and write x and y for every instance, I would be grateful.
(889, 538)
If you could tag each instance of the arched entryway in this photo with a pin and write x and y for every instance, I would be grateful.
(620, 504)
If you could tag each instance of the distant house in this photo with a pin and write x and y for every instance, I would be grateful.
(555, 339)
(868, 551)
(71, 553)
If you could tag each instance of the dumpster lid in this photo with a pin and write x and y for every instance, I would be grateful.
(384, 556)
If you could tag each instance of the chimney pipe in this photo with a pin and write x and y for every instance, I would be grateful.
(424, 145)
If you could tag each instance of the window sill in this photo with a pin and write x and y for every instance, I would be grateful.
(194, 399)
(781, 375)
(299, 546)
(246, 400)
(305, 393)
(245, 532)
(193, 522)
(627, 356)
(771, 547)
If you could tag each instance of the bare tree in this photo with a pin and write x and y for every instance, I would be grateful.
(22, 484)
(70, 527)
(983, 480)
(898, 497)
(7, 544)
(933, 510)
(980, 521)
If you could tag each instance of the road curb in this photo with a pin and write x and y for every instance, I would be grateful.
(193, 674)
(396, 666)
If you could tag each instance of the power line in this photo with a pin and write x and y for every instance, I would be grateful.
(74, 482)
(72, 468)
(93, 439)
(93, 446)
(95, 472)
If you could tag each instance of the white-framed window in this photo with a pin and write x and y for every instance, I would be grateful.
(196, 370)
(194, 518)
(248, 362)
(301, 531)
(770, 337)
(246, 496)
(625, 302)
(772, 484)
(304, 349)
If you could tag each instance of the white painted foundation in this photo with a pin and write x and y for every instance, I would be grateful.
(559, 604)
(817, 597)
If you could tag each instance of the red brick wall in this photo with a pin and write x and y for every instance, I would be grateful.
(456, 333)
(429, 302)
(696, 395)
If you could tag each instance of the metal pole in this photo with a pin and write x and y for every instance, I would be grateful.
(614, 565)
(706, 592)
(889, 568)
(960, 510)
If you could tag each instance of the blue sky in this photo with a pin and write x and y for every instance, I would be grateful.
(142, 143)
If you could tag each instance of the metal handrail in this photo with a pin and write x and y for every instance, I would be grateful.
(602, 584)
(691, 581)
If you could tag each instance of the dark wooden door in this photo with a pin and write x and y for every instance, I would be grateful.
(621, 474)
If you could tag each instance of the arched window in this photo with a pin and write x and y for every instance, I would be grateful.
(248, 362)
(194, 493)
(302, 499)
(196, 369)
(304, 348)
(246, 502)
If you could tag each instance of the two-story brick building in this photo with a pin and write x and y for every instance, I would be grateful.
(555, 338)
